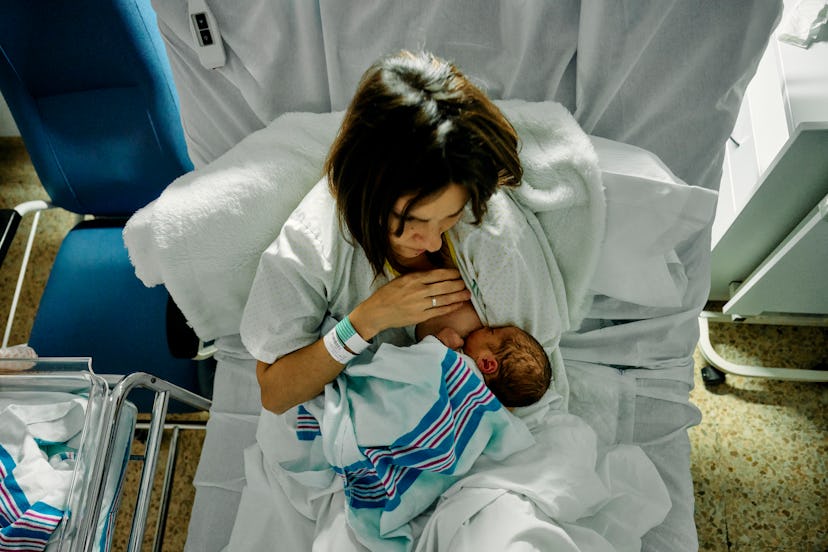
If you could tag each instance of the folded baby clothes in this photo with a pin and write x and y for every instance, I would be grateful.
(37, 438)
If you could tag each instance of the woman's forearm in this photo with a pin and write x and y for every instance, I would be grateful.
(303, 374)
(296, 377)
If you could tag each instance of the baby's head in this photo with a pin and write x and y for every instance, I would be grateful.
(514, 365)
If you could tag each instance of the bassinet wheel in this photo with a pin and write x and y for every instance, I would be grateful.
(712, 376)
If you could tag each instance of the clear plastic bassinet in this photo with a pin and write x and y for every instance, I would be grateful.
(101, 422)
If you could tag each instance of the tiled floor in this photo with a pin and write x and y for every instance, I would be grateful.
(759, 456)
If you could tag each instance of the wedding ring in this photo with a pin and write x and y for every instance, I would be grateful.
(433, 302)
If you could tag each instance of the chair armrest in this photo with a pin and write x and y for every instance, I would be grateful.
(9, 222)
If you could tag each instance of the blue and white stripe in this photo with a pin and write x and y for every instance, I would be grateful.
(23, 526)
(435, 445)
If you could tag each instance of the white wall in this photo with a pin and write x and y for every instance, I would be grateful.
(7, 126)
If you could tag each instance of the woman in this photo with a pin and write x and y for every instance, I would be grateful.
(419, 149)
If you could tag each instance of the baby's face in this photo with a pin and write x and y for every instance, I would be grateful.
(486, 340)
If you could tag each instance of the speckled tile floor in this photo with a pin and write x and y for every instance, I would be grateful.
(759, 455)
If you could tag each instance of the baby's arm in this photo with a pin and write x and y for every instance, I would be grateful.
(463, 321)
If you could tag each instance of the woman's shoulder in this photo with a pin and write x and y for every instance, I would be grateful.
(505, 224)
(316, 210)
(315, 220)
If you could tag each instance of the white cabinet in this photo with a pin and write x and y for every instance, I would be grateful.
(770, 236)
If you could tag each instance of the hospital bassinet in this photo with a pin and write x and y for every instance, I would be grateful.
(44, 398)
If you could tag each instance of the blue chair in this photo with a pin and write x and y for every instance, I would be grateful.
(91, 91)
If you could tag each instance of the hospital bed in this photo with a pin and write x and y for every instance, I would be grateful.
(665, 77)
(659, 82)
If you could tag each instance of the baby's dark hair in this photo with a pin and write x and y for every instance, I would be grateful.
(524, 373)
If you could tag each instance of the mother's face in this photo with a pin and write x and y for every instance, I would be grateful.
(426, 221)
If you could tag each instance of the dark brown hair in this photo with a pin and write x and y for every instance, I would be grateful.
(415, 125)
(524, 372)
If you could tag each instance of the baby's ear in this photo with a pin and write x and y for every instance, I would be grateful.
(487, 363)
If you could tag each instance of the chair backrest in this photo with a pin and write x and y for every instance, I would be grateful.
(91, 91)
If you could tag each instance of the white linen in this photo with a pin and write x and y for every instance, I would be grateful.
(649, 408)
(650, 213)
(613, 64)
(565, 492)
(39, 436)
(803, 23)
(562, 494)
(523, 51)
(203, 236)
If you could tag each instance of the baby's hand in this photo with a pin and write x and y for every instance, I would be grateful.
(450, 338)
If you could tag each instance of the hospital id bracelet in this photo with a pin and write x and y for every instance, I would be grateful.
(349, 336)
(336, 349)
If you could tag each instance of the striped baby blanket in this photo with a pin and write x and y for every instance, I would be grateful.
(398, 428)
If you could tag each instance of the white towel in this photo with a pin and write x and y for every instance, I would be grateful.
(203, 236)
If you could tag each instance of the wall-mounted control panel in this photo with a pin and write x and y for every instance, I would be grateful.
(206, 35)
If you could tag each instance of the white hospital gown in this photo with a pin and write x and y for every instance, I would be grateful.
(312, 271)
(514, 277)
(309, 272)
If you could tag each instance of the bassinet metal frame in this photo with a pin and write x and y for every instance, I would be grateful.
(119, 388)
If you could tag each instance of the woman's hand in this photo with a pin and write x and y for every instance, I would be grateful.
(410, 299)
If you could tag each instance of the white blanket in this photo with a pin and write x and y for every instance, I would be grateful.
(562, 494)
